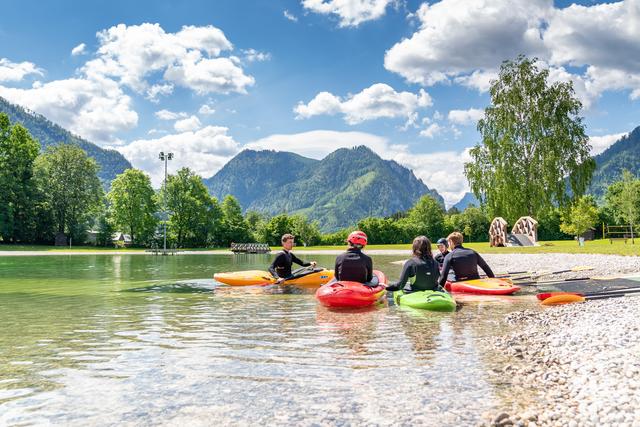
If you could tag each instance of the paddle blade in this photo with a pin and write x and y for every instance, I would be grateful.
(543, 296)
(563, 299)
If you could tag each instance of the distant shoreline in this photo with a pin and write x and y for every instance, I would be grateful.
(399, 252)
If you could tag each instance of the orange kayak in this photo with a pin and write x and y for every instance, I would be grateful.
(486, 286)
(315, 277)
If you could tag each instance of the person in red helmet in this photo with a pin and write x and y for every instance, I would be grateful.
(353, 265)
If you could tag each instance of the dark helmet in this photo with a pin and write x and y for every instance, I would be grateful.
(443, 241)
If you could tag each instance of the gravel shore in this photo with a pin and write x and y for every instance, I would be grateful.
(572, 365)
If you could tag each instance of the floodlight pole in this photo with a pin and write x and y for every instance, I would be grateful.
(165, 158)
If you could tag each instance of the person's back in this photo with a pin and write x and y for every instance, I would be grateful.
(353, 265)
(463, 261)
(422, 268)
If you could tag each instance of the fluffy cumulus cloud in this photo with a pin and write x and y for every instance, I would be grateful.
(81, 49)
(206, 110)
(378, 101)
(465, 41)
(189, 58)
(203, 151)
(465, 117)
(601, 143)
(189, 124)
(170, 115)
(440, 170)
(14, 72)
(350, 12)
(96, 109)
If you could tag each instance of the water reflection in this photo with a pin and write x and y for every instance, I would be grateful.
(154, 340)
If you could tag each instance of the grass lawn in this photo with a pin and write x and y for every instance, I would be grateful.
(558, 246)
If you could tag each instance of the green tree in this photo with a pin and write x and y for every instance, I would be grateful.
(580, 217)
(18, 151)
(105, 232)
(68, 178)
(133, 205)
(533, 141)
(275, 228)
(426, 217)
(623, 199)
(234, 225)
(473, 222)
(307, 233)
(193, 214)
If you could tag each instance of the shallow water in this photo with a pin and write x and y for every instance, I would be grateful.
(133, 339)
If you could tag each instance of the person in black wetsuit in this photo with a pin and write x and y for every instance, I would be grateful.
(353, 265)
(281, 266)
(443, 251)
(463, 261)
(422, 267)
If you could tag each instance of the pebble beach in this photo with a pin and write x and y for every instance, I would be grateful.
(572, 365)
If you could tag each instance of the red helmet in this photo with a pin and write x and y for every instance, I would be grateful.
(357, 238)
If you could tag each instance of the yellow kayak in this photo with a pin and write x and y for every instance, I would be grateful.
(304, 277)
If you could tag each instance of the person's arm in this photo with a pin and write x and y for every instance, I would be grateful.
(446, 266)
(299, 261)
(336, 269)
(369, 269)
(407, 271)
(276, 262)
(435, 271)
(483, 265)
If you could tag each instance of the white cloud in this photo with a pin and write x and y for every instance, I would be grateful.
(81, 49)
(601, 143)
(378, 101)
(465, 41)
(206, 110)
(443, 171)
(290, 16)
(160, 89)
(13, 71)
(252, 55)
(188, 58)
(351, 12)
(466, 117)
(95, 109)
(187, 125)
(431, 130)
(204, 151)
(169, 115)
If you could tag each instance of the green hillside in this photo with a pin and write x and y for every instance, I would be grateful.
(624, 154)
(345, 186)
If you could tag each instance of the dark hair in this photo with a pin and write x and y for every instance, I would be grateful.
(422, 247)
(286, 237)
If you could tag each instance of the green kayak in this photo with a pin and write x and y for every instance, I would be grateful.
(426, 300)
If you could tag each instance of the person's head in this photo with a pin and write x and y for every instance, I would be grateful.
(287, 241)
(442, 244)
(357, 239)
(422, 247)
(455, 239)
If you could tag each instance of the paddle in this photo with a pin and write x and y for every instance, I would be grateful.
(550, 282)
(544, 295)
(569, 298)
(548, 273)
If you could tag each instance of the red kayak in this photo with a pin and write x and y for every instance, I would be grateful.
(485, 286)
(346, 294)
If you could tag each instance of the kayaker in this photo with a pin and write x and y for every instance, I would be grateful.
(463, 261)
(443, 251)
(353, 265)
(421, 266)
(281, 266)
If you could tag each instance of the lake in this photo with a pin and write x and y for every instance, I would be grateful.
(141, 339)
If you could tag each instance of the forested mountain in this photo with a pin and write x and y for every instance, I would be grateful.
(467, 199)
(345, 186)
(48, 133)
(624, 154)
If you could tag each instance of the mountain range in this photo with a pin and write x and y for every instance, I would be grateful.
(337, 191)
(623, 154)
(48, 133)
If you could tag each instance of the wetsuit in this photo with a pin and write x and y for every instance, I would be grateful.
(425, 271)
(281, 266)
(439, 257)
(354, 266)
(464, 263)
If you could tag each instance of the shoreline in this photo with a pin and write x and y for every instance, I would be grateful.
(399, 252)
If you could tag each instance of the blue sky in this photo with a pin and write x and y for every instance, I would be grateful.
(407, 78)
